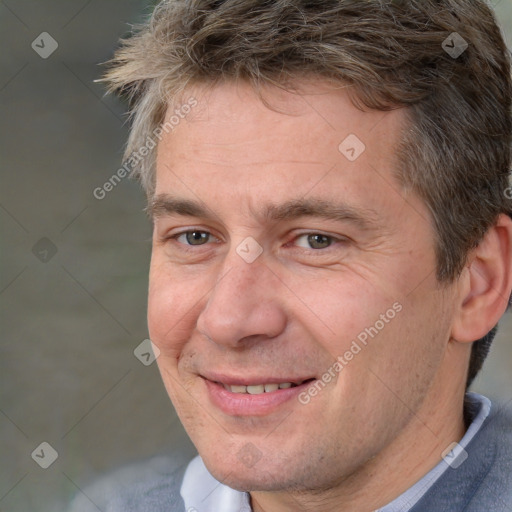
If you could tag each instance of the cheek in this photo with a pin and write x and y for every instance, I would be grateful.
(172, 309)
(344, 309)
(379, 328)
(408, 352)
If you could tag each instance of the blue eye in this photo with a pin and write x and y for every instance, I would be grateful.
(194, 237)
(314, 241)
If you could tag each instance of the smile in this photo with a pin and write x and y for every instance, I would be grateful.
(250, 398)
(257, 389)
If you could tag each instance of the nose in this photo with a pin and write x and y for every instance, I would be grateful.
(244, 305)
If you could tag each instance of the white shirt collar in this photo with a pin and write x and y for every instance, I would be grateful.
(409, 498)
(201, 492)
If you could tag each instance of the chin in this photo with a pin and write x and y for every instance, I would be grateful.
(248, 479)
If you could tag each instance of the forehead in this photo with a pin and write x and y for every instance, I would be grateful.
(315, 115)
(282, 144)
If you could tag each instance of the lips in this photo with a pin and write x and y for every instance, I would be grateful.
(255, 384)
(252, 396)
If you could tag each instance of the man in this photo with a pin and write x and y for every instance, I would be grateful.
(331, 252)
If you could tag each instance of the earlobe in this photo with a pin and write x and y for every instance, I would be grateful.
(485, 284)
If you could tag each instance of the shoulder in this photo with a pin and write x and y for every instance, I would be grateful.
(484, 480)
(149, 486)
(495, 440)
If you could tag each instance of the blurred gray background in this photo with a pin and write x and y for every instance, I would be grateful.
(73, 275)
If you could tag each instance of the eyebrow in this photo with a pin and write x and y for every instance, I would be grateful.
(164, 204)
(365, 218)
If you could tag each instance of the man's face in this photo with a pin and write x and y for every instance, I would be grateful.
(282, 247)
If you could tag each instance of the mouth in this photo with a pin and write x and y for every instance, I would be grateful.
(258, 389)
(258, 396)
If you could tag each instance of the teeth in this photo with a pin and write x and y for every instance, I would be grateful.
(256, 390)
(238, 389)
(259, 388)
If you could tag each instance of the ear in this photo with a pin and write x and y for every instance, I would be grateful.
(485, 284)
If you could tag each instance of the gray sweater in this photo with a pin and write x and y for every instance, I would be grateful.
(483, 483)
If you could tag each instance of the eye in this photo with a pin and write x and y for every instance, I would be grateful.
(314, 241)
(193, 237)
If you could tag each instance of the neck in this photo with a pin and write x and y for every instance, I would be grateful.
(413, 453)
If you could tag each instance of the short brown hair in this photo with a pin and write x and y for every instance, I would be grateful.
(455, 153)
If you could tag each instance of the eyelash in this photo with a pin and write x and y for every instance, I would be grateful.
(188, 247)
